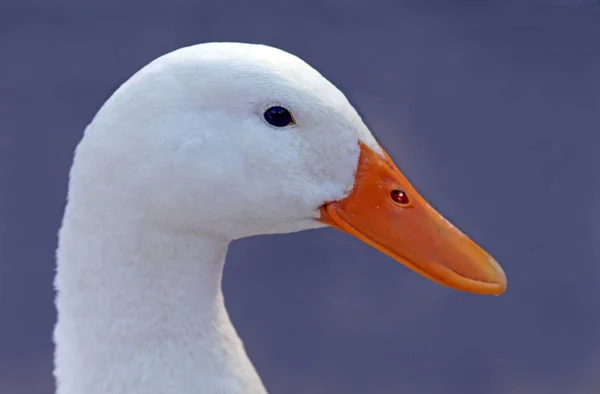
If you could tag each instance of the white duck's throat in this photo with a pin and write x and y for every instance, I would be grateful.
(142, 311)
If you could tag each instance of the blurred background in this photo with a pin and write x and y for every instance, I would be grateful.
(491, 108)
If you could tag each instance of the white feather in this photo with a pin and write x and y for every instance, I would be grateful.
(175, 165)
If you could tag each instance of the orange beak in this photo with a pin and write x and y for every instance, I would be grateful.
(385, 211)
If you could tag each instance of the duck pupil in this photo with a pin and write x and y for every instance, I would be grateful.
(399, 196)
(278, 116)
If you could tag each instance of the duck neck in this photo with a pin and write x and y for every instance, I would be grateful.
(142, 311)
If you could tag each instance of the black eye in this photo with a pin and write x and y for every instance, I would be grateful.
(279, 116)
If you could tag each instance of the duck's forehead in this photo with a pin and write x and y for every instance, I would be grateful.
(289, 76)
(260, 75)
(249, 65)
(251, 54)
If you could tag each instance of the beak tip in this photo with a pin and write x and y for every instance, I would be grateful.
(495, 288)
(500, 288)
(500, 280)
(494, 283)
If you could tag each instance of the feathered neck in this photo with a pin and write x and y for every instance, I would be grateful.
(141, 310)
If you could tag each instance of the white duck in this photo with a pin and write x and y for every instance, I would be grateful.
(204, 145)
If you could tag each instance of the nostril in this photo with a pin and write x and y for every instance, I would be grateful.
(399, 197)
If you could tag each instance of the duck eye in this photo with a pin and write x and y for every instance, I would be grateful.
(399, 197)
(279, 117)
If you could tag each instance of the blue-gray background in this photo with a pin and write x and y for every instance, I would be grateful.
(490, 108)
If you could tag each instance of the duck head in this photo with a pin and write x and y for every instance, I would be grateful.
(233, 140)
